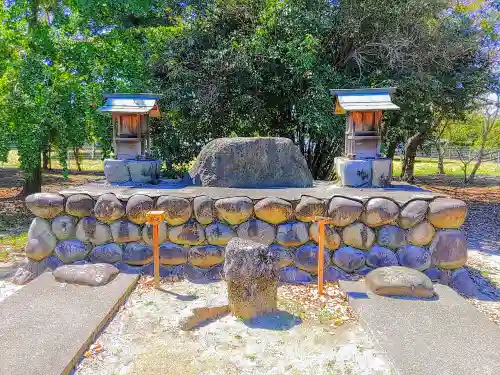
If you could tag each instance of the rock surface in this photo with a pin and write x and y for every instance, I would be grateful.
(348, 258)
(204, 210)
(177, 210)
(379, 256)
(218, 234)
(332, 238)
(391, 236)
(116, 170)
(258, 231)
(380, 211)
(413, 213)
(293, 275)
(234, 210)
(292, 234)
(206, 255)
(306, 258)
(344, 211)
(90, 230)
(415, 257)
(173, 254)
(308, 208)
(80, 205)
(251, 272)
(108, 208)
(70, 251)
(138, 207)
(358, 235)
(125, 231)
(64, 227)
(251, 163)
(285, 255)
(273, 210)
(108, 253)
(147, 233)
(41, 240)
(87, 274)
(45, 205)
(421, 234)
(399, 281)
(137, 254)
(190, 233)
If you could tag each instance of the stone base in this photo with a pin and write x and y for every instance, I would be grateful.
(364, 172)
(138, 171)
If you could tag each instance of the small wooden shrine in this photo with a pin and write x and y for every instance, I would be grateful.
(131, 113)
(364, 116)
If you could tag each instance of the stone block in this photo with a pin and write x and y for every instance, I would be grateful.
(138, 207)
(391, 236)
(45, 205)
(399, 281)
(332, 238)
(257, 231)
(381, 173)
(204, 210)
(64, 227)
(415, 257)
(251, 272)
(206, 255)
(177, 210)
(116, 170)
(70, 251)
(108, 208)
(234, 210)
(87, 274)
(273, 210)
(379, 256)
(349, 259)
(147, 233)
(124, 231)
(306, 258)
(41, 240)
(256, 162)
(354, 172)
(358, 235)
(173, 254)
(449, 249)
(344, 211)
(308, 208)
(292, 234)
(413, 213)
(80, 205)
(90, 230)
(108, 253)
(447, 213)
(218, 234)
(144, 171)
(137, 254)
(285, 255)
(421, 234)
(380, 211)
(190, 233)
(292, 275)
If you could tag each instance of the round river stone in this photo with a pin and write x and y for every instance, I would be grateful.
(89, 229)
(449, 249)
(177, 210)
(358, 235)
(344, 211)
(108, 208)
(138, 207)
(190, 233)
(147, 233)
(45, 205)
(379, 256)
(218, 234)
(285, 255)
(273, 210)
(258, 231)
(447, 213)
(332, 238)
(80, 205)
(308, 208)
(413, 213)
(64, 227)
(137, 254)
(391, 236)
(41, 240)
(349, 259)
(204, 210)
(173, 254)
(399, 281)
(234, 210)
(206, 255)
(125, 231)
(421, 234)
(380, 211)
(70, 251)
(414, 257)
(108, 253)
(292, 234)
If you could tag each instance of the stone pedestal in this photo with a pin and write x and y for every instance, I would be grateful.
(364, 172)
(251, 272)
(138, 171)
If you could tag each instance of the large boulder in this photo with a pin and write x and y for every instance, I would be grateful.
(344, 211)
(251, 163)
(380, 211)
(399, 281)
(206, 255)
(391, 236)
(413, 213)
(86, 274)
(190, 233)
(421, 234)
(251, 271)
(108, 208)
(234, 210)
(108, 253)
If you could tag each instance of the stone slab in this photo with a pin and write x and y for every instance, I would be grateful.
(46, 326)
(400, 192)
(446, 335)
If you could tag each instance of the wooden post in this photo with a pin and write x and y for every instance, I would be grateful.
(155, 218)
(322, 221)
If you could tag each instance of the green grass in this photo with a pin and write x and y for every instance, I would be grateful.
(12, 243)
(428, 166)
(87, 165)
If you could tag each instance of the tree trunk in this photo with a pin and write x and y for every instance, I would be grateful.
(76, 154)
(411, 147)
(391, 149)
(440, 158)
(45, 159)
(33, 180)
(472, 175)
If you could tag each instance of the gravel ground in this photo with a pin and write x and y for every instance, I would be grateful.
(144, 339)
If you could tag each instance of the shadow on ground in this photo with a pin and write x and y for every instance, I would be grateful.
(278, 321)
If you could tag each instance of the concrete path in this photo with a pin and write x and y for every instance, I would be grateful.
(446, 336)
(46, 326)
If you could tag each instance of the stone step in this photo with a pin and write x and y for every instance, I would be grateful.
(46, 326)
(445, 335)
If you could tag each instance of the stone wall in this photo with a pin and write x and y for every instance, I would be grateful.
(422, 234)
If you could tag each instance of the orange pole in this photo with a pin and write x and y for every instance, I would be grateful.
(155, 218)
(321, 255)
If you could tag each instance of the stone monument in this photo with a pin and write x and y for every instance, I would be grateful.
(362, 164)
(131, 138)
